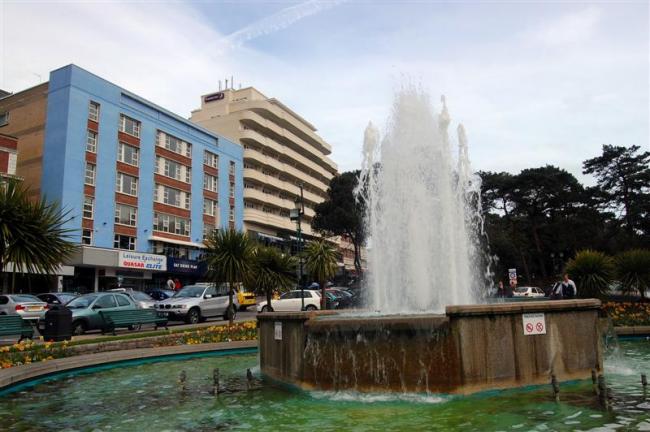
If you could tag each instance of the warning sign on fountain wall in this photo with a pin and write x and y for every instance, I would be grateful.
(534, 324)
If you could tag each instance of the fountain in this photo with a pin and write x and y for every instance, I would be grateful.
(425, 329)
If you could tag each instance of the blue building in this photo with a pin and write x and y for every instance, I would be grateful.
(143, 186)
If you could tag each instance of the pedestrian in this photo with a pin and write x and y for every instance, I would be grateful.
(170, 283)
(556, 291)
(177, 284)
(512, 286)
(569, 289)
(501, 291)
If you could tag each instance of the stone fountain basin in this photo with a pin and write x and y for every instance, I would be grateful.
(467, 349)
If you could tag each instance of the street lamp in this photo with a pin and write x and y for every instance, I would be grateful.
(295, 214)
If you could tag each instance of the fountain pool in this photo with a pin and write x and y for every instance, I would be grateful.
(145, 397)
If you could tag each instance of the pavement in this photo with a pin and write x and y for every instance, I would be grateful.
(247, 315)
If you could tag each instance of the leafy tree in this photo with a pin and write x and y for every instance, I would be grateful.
(32, 234)
(623, 177)
(633, 271)
(342, 214)
(592, 272)
(230, 258)
(272, 270)
(320, 261)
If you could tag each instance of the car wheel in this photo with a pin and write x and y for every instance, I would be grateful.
(193, 316)
(243, 308)
(78, 328)
(311, 308)
(267, 309)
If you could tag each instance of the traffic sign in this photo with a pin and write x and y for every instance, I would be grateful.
(534, 324)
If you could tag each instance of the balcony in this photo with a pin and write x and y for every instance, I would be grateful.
(274, 221)
(250, 173)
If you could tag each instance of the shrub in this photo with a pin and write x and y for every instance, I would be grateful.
(633, 271)
(592, 271)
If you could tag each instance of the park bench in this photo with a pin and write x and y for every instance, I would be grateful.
(131, 318)
(14, 325)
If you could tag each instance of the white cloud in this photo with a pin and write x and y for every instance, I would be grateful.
(573, 27)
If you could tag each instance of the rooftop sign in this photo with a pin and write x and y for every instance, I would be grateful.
(214, 97)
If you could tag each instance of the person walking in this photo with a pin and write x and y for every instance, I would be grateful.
(501, 291)
(177, 284)
(568, 288)
(170, 283)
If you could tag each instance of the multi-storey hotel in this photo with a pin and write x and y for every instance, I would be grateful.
(143, 186)
(281, 152)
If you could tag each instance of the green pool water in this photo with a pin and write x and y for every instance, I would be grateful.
(146, 397)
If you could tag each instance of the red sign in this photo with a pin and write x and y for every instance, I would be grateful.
(529, 328)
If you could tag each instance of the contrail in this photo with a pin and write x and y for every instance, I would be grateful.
(280, 20)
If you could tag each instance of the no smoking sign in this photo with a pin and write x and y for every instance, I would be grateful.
(534, 324)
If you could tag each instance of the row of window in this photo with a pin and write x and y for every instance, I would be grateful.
(171, 224)
(119, 241)
(128, 215)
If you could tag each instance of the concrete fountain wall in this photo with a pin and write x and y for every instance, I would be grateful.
(469, 349)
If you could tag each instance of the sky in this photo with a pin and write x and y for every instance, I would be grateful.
(534, 83)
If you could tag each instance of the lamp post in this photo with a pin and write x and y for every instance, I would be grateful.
(296, 215)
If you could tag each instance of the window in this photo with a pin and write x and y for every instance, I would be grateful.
(91, 141)
(124, 242)
(128, 154)
(171, 224)
(126, 215)
(231, 168)
(232, 190)
(129, 126)
(90, 174)
(172, 169)
(122, 300)
(231, 217)
(208, 229)
(209, 207)
(209, 182)
(174, 144)
(126, 184)
(211, 159)
(4, 118)
(106, 301)
(93, 111)
(87, 237)
(170, 196)
(89, 203)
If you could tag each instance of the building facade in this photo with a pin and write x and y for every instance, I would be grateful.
(143, 186)
(281, 153)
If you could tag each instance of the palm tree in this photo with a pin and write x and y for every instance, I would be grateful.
(633, 271)
(229, 256)
(320, 262)
(592, 272)
(272, 270)
(32, 234)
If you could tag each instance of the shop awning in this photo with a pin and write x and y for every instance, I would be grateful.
(270, 237)
(177, 242)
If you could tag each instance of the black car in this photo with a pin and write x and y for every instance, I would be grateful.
(160, 294)
(57, 298)
(344, 298)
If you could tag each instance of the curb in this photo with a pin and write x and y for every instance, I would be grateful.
(17, 374)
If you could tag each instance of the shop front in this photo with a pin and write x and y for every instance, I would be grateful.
(186, 271)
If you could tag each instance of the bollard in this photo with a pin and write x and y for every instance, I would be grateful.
(215, 381)
(594, 380)
(182, 381)
(602, 390)
(644, 381)
(249, 379)
(556, 388)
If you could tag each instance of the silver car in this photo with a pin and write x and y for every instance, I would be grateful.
(195, 303)
(141, 300)
(29, 307)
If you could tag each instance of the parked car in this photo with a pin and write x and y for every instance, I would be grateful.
(344, 298)
(195, 303)
(525, 291)
(159, 294)
(244, 298)
(142, 300)
(57, 298)
(29, 307)
(85, 309)
(291, 302)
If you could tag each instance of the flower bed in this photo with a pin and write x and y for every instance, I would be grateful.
(627, 313)
(28, 351)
